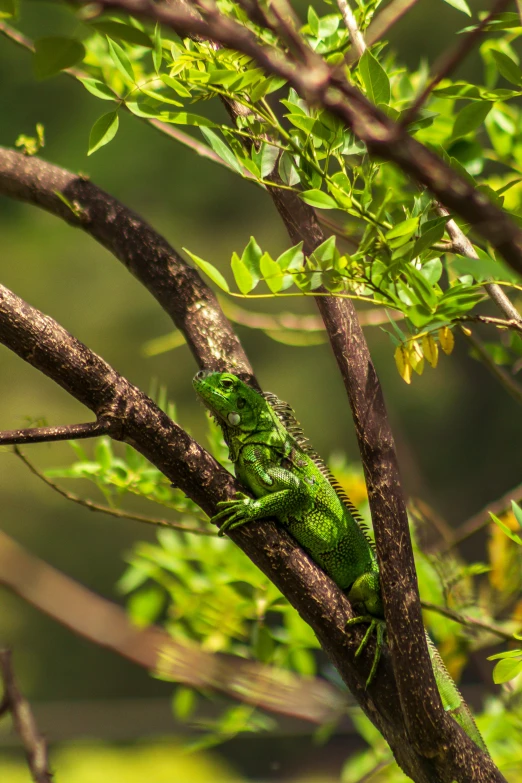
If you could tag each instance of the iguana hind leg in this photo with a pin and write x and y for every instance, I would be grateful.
(365, 593)
(379, 626)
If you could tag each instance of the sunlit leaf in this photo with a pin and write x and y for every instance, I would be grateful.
(241, 274)
(318, 199)
(121, 60)
(210, 270)
(103, 131)
(375, 78)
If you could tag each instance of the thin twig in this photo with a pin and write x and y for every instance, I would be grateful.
(113, 512)
(470, 622)
(501, 323)
(350, 21)
(48, 434)
(34, 744)
(452, 60)
(461, 245)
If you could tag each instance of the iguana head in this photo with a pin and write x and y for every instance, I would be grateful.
(237, 407)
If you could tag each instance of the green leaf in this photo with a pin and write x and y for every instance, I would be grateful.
(506, 653)
(470, 118)
(267, 158)
(318, 199)
(507, 67)
(431, 231)
(287, 169)
(241, 274)
(122, 32)
(103, 453)
(175, 85)
(460, 5)
(97, 88)
(157, 52)
(271, 272)
(517, 511)
(313, 21)
(403, 230)
(221, 149)
(121, 61)
(506, 670)
(103, 131)
(52, 55)
(145, 606)
(507, 530)
(432, 271)
(292, 259)
(251, 258)
(210, 270)
(183, 118)
(325, 253)
(301, 121)
(375, 79)
(159, 96)
(183, 703)
(419, 315)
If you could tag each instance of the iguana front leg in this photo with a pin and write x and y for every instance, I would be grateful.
(280, 493)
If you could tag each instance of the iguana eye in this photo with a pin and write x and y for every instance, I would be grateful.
(226, 383)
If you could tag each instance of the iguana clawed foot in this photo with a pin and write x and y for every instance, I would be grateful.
(379, 626)
(236, 512)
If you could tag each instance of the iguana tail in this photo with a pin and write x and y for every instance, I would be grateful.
(452, 699)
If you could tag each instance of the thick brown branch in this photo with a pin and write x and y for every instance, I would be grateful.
(24, 723)
(177, 287)
(47, 434)
(105, 624)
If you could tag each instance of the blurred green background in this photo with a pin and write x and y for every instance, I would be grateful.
(458, 433)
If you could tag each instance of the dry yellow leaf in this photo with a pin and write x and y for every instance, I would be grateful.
(430, 349)
(446, 339)
(402, 360)
(416, 357)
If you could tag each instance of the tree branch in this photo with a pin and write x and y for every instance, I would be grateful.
(350, 21)
(24, 723)
(48, 434)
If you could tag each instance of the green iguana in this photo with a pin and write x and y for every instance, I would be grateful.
(289, 481)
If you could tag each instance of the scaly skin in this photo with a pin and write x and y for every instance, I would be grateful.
(290, 482)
